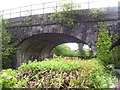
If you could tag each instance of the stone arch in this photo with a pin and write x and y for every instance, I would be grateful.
(39, 46)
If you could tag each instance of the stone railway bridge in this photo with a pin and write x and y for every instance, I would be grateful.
(37, 35)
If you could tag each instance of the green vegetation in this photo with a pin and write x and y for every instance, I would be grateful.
(62, 50)
(98, 13)
(8, 48)
(67, 72)
(40, 16)
(67, 14)
(115, 53)
(59, 73)
(103, 48)
(81, 51)
(24, 21)
(103, 45)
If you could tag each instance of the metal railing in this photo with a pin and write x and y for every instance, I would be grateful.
(49, 7)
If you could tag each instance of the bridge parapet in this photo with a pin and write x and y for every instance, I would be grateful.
(23, 27)
(44, 19)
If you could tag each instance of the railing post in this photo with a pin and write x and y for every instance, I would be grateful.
(108, 3)
(56, 6)
(10, 12)
(2, 14)
(31, 10)
(88, 4)
(43, 7)
(20, 11)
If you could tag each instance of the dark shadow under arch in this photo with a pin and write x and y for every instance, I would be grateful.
(39, 46)
(117, 43)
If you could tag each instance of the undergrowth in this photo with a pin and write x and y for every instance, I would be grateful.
(59, 73)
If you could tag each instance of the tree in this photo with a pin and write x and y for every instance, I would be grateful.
(8, 47)
(103, 45)
(62, 50)
(81, 51)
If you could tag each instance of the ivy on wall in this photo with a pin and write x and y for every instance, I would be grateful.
(98, 13)
(8, 48)
(68, 14)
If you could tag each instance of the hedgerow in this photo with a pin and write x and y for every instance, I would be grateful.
(59, 73)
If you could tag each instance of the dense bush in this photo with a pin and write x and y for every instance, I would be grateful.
(104, 44)
(59, 73)
(115, 53)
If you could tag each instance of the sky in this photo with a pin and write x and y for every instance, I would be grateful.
(74, 46)
(8, 4)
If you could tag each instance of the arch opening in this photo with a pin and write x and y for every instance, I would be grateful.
(73, 50)
(39, 46)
